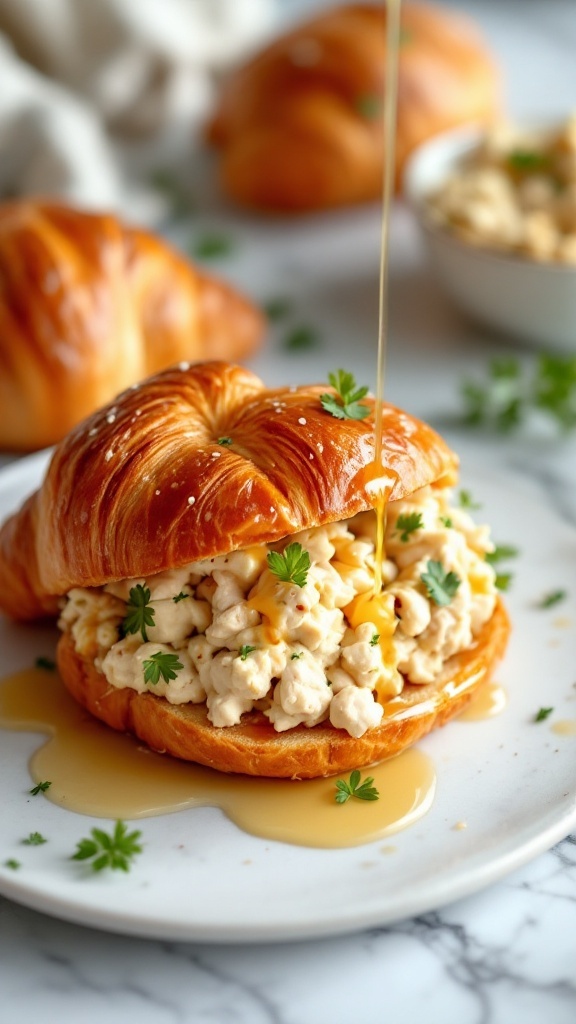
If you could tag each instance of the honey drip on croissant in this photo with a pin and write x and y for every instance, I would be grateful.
(380, 484)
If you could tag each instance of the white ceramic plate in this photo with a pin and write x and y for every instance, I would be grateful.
(511, 780)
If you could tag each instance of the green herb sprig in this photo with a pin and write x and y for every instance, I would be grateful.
(139, 612)
(212, 246)
(552, 599)
(501, 553)
(528, 161)
(502, 581)
(369, 105)
(47, 663)
(40, 788)
(509, 393)
(347, 406)
(467, 502)
(441, 586)
(245, 650)
(408, 523)
(34, 839)
(115, 851)
(301, 339)
(542, 714)
(355, 789)
(292, 566)
(161, 665)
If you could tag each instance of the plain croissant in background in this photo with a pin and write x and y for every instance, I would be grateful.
(90, 306)
(299, 126)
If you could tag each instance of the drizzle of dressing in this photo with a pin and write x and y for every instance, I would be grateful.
(94, 770)
(379, 610)
(489, 701)
(380, 483)
(565, 727)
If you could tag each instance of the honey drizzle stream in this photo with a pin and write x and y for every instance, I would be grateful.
(382, 487)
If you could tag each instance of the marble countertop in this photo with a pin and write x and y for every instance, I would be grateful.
(507, 953)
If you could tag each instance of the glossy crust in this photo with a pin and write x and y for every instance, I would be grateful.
(88, 306)
(254, 748)
(300, 126)
(143, 485)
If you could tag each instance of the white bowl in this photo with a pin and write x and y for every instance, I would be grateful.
(532, 301)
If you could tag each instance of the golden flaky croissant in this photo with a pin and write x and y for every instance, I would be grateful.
(88, 306)
(299, 126)
(216, 543)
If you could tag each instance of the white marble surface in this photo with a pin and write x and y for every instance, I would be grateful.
(506, 954)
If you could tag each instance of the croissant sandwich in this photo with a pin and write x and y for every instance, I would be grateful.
(88, 306)
(210, 546)
(299, 127)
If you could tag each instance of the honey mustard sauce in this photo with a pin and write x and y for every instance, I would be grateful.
(96, 771)
(489, 701)
(564, 727)
(380, 482)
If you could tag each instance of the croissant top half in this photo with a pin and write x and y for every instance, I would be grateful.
(88, 306)
(196, 462)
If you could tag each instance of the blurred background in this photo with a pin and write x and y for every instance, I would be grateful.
(151, 111)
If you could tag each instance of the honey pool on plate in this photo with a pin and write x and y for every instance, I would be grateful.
(94, 770)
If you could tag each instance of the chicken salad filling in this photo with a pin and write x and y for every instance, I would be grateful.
(294, 629)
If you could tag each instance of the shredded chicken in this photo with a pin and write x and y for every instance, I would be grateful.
(228, 632)
(516, 192)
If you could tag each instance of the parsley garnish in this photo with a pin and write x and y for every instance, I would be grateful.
(502, 580)
(245, 650)
(347, 406)
(369, 106)
(295, 655)
(345, 790)
(161, 664)
(46, 663)
(34, 839)
(277, 308)
(301, 338)
(554, 597)
(441, 585)
(110, 851)
(408, 523)
(466, 501)
(12, 864)
(501, 552)
(446, 521)
(179, 202)
(212, 246)
(374, 639)
(528, 161)
(180, 597)
(40, 788)
(224, 441)
(510, 392)
(542, 714)
(139, 612)
(292, 566)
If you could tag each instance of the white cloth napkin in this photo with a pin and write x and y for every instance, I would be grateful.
(81, 78)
